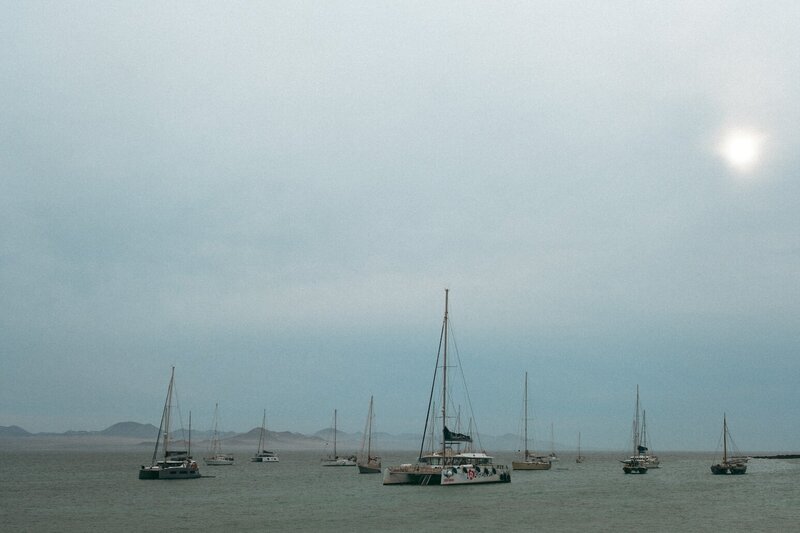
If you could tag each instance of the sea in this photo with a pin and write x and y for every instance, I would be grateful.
(99, 490)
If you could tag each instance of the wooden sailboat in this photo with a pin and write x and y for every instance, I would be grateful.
(335, 460)
(368, 463)
(262, 454)
(729, 465)
(216, 456)
(530, 461)
(173, 464)
(451, 464)
(579, 458)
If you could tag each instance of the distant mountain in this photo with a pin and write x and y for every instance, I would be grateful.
(131, 429)
(13, 431)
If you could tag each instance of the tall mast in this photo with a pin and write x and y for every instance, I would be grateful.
(334, 434)
(724, 438)
(444, 377)
(526, 415)
(189, 447)
(636, 425)
(261, 434)
(369, 423)
(167, 410)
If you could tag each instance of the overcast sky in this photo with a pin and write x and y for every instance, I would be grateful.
(273, 197)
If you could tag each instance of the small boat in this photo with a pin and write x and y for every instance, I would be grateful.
(335, 460)
(262, 454)
(174, 463)
(641, 460)
(579, 458)
(530, 461)
(368, 463)
(729, 465)
(451, 464)
(217, 457)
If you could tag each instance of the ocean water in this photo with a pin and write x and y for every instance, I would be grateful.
(100, 491)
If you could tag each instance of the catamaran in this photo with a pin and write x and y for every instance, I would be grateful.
(641, 460)
(262, 454)
(173, 463)
(450, 464)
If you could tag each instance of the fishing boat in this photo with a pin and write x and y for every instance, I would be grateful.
(530, 461)
(169, 462)
(368, 463)
(216, 456)
(262, 454)
(729, 465)
(579, 458)
(641, 460)
(455, 462)
(335, 460)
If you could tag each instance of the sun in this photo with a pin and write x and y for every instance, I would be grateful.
(742, 149)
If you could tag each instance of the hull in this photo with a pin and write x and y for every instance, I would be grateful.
(338, 462)
(170, 472)
(633, 469)
(369, 468)
(426, 475)
(531, 465)
(729, 469)
(266, 459)
(218, 461)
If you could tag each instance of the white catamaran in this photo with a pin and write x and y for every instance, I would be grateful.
(262, 454)
(530, 461)
(450, 464)
(172, 464)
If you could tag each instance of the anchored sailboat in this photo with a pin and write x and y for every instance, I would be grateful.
(450, 465)
(262, 454)
(368, 463)
(641, 461)
(579, 458)
(174, 464)
(335, 460)
(530, 461)
(217, 457)
(729, 465)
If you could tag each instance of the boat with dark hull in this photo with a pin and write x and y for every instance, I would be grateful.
(729, 465)
(454, 463)
(367, 462)
(173, 463)
(641, 460)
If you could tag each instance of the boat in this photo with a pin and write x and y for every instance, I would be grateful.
(553, 458)
(641, 460)
(169, 462)
(728, 465)
(368, 463)
(335, 460)
(262, 454)
(216, 457)
(451, 464)
(530, 461)
(579, 458)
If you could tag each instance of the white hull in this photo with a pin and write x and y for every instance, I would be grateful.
(170, 471)
(461, 475)
(339, 461)
(531, 465)
(218, 460)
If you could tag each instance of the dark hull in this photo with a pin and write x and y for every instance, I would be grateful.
(726, 469)
(634, 469)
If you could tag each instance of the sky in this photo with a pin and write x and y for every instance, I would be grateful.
(273, 196)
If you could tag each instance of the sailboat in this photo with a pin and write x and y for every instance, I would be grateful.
(262, 454)
(450, 465)
(641, 461)
(335, 460)
(217, 457)
(729, 465)
(579, 458)
(368, 463)
(530, 461)
(172, 464)
(552, 457)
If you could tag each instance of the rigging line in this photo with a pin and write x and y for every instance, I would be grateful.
(433, 388)
(466, 390)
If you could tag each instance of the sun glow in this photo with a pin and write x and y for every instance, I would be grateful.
(742, 149)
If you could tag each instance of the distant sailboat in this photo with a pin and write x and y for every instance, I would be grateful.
(579, 458)
(368, 463)
(217, 457)
(530, 461)
(729, 465)
(262, 454)
(552, 457)
(641, 461)
(335, 460)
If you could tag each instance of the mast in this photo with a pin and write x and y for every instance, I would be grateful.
(189, 446)
(636, 425)
(261, 434)
(334, 434)
(444, 377)
(167, 409)
(525, 398)
(724, 438)
(369, 437)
